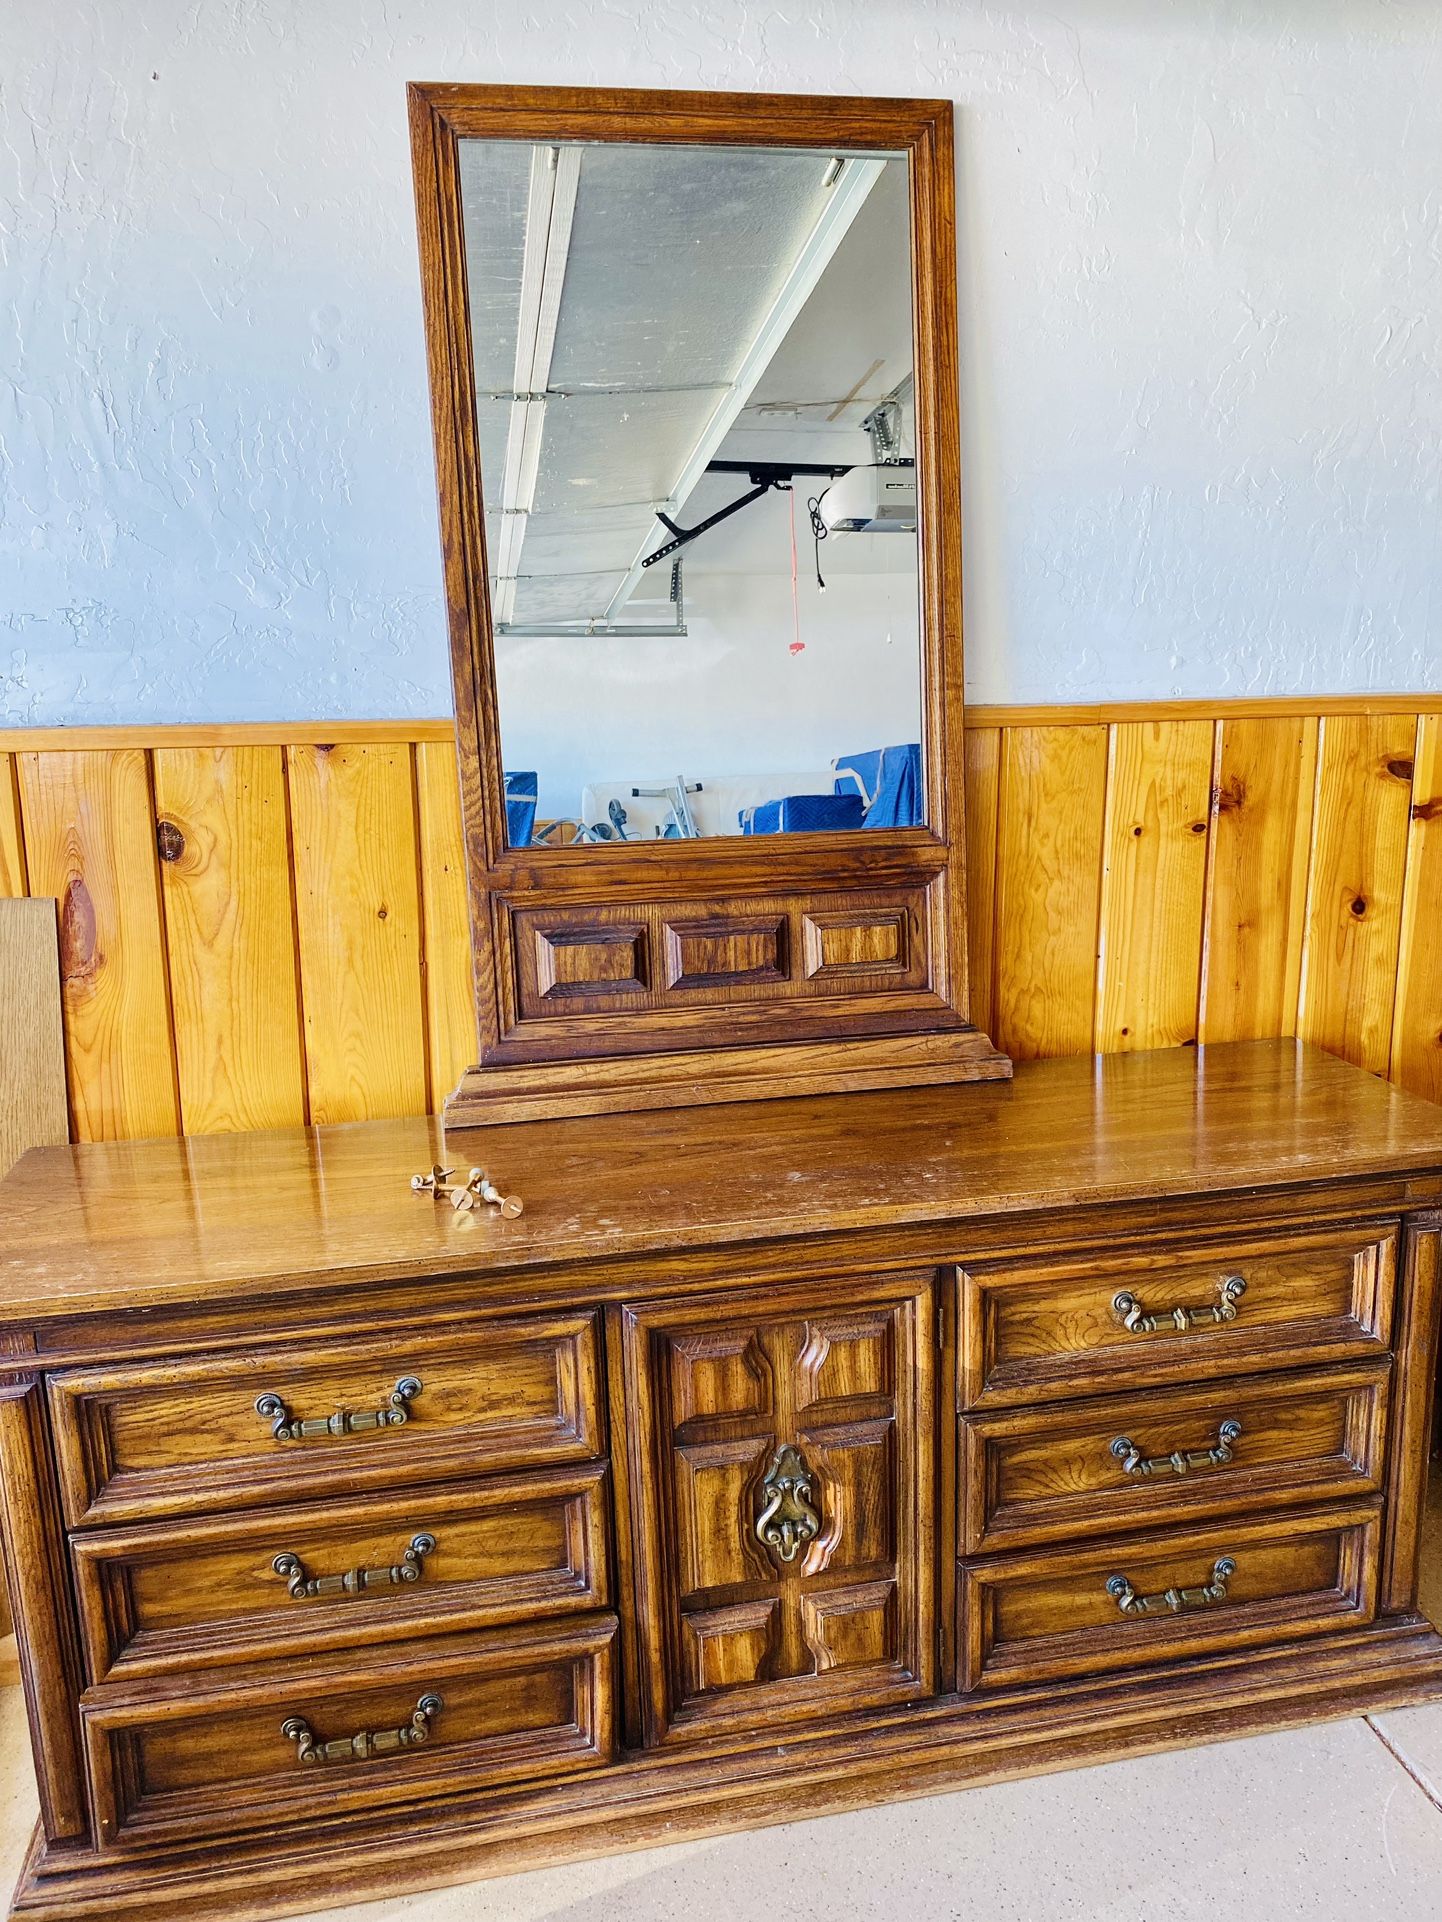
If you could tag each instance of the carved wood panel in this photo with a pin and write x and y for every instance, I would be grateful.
(783, 1461)
(688, 958)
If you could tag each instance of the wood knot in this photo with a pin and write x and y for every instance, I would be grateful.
(169, 841)
(1358, 906)
(78, 957)
(1428, 810)
(382, 911)
(1229, 797)
(1400, 770)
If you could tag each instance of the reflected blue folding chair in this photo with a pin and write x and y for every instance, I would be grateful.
(521, 790)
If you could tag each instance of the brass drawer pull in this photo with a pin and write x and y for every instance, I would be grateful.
(1174, 1599)
(1182, 1461)
(1230, 1288)
(344, 1421)
(409, 1568)
(787, 1517)
(360, 1748)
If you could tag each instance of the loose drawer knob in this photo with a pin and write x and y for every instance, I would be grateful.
(1173, 1599)
(369, 1742)
(1135, 1319)
(787, 1516)
(344, 1421)
(355, 1581)
(1181, 1461)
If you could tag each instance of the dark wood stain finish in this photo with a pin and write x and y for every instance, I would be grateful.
(583, 965)
(910, 1299)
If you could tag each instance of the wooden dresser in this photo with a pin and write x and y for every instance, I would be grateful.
(779, 1458)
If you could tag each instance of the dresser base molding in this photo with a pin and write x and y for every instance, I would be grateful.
(627, 1084)
(656, 1799)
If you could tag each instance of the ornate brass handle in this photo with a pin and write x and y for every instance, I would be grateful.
(1174, 1599)
(409, 1568)
(1182, 1461)
(787, 1517)
(1230, 1289)
(344, 1421)
(369, 1742)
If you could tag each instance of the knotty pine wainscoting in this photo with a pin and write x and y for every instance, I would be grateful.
(263, 925)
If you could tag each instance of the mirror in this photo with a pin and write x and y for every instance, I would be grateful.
(694, 408)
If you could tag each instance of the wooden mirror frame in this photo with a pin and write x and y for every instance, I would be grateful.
(661, 973)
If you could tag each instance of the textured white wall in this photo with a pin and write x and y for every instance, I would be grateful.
(1200, 296)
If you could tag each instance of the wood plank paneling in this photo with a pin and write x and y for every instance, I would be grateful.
(1417, 1024)
(230, 936)
(1261, 838)
(1154, 873)
(1061, 958)
(1048, 888)
(12, 847)
(1354, 893)
(983, 783)
(90, 842)
(353, 825)
(450, 991)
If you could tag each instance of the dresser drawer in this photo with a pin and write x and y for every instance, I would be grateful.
(173, 1595)
(170, 1438)
(1128, 1461)
(1154, 1598)
(781, 1461)
(413, 1721)
(1174, 1313)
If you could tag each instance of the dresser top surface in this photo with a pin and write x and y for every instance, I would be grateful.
(126, 1225)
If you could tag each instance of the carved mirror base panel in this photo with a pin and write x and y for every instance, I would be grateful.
(537, 1091)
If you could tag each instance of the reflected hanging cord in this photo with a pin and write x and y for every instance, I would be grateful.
(819, 531)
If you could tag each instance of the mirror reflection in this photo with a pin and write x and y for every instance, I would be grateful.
(697, 434)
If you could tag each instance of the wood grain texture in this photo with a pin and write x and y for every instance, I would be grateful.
(353, 826)
(985, 1738)
(173, 1597)
(1257, 894)
(1142, 1459)
(90, 844)
(1047, 1616)
(230, 936)
(1159, 783)
(983, 793)
(738, 1633)
(34, 1564)
(1048, 889)
(1417, 1022)
(169, 1222)
(756, 1020)
(748, 1314)
(32, 1048)
(1267, 786)
(450, 995)
(159, 1439)
(211, 1760)
(1354, 894)
(12, 844)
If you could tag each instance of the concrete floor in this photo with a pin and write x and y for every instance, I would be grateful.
(1342, 1821)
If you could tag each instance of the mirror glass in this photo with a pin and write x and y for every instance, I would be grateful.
(697, 433)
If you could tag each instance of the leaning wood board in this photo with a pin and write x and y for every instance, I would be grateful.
(849, 1448)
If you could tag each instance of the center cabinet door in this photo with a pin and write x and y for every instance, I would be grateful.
(781, 1455)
